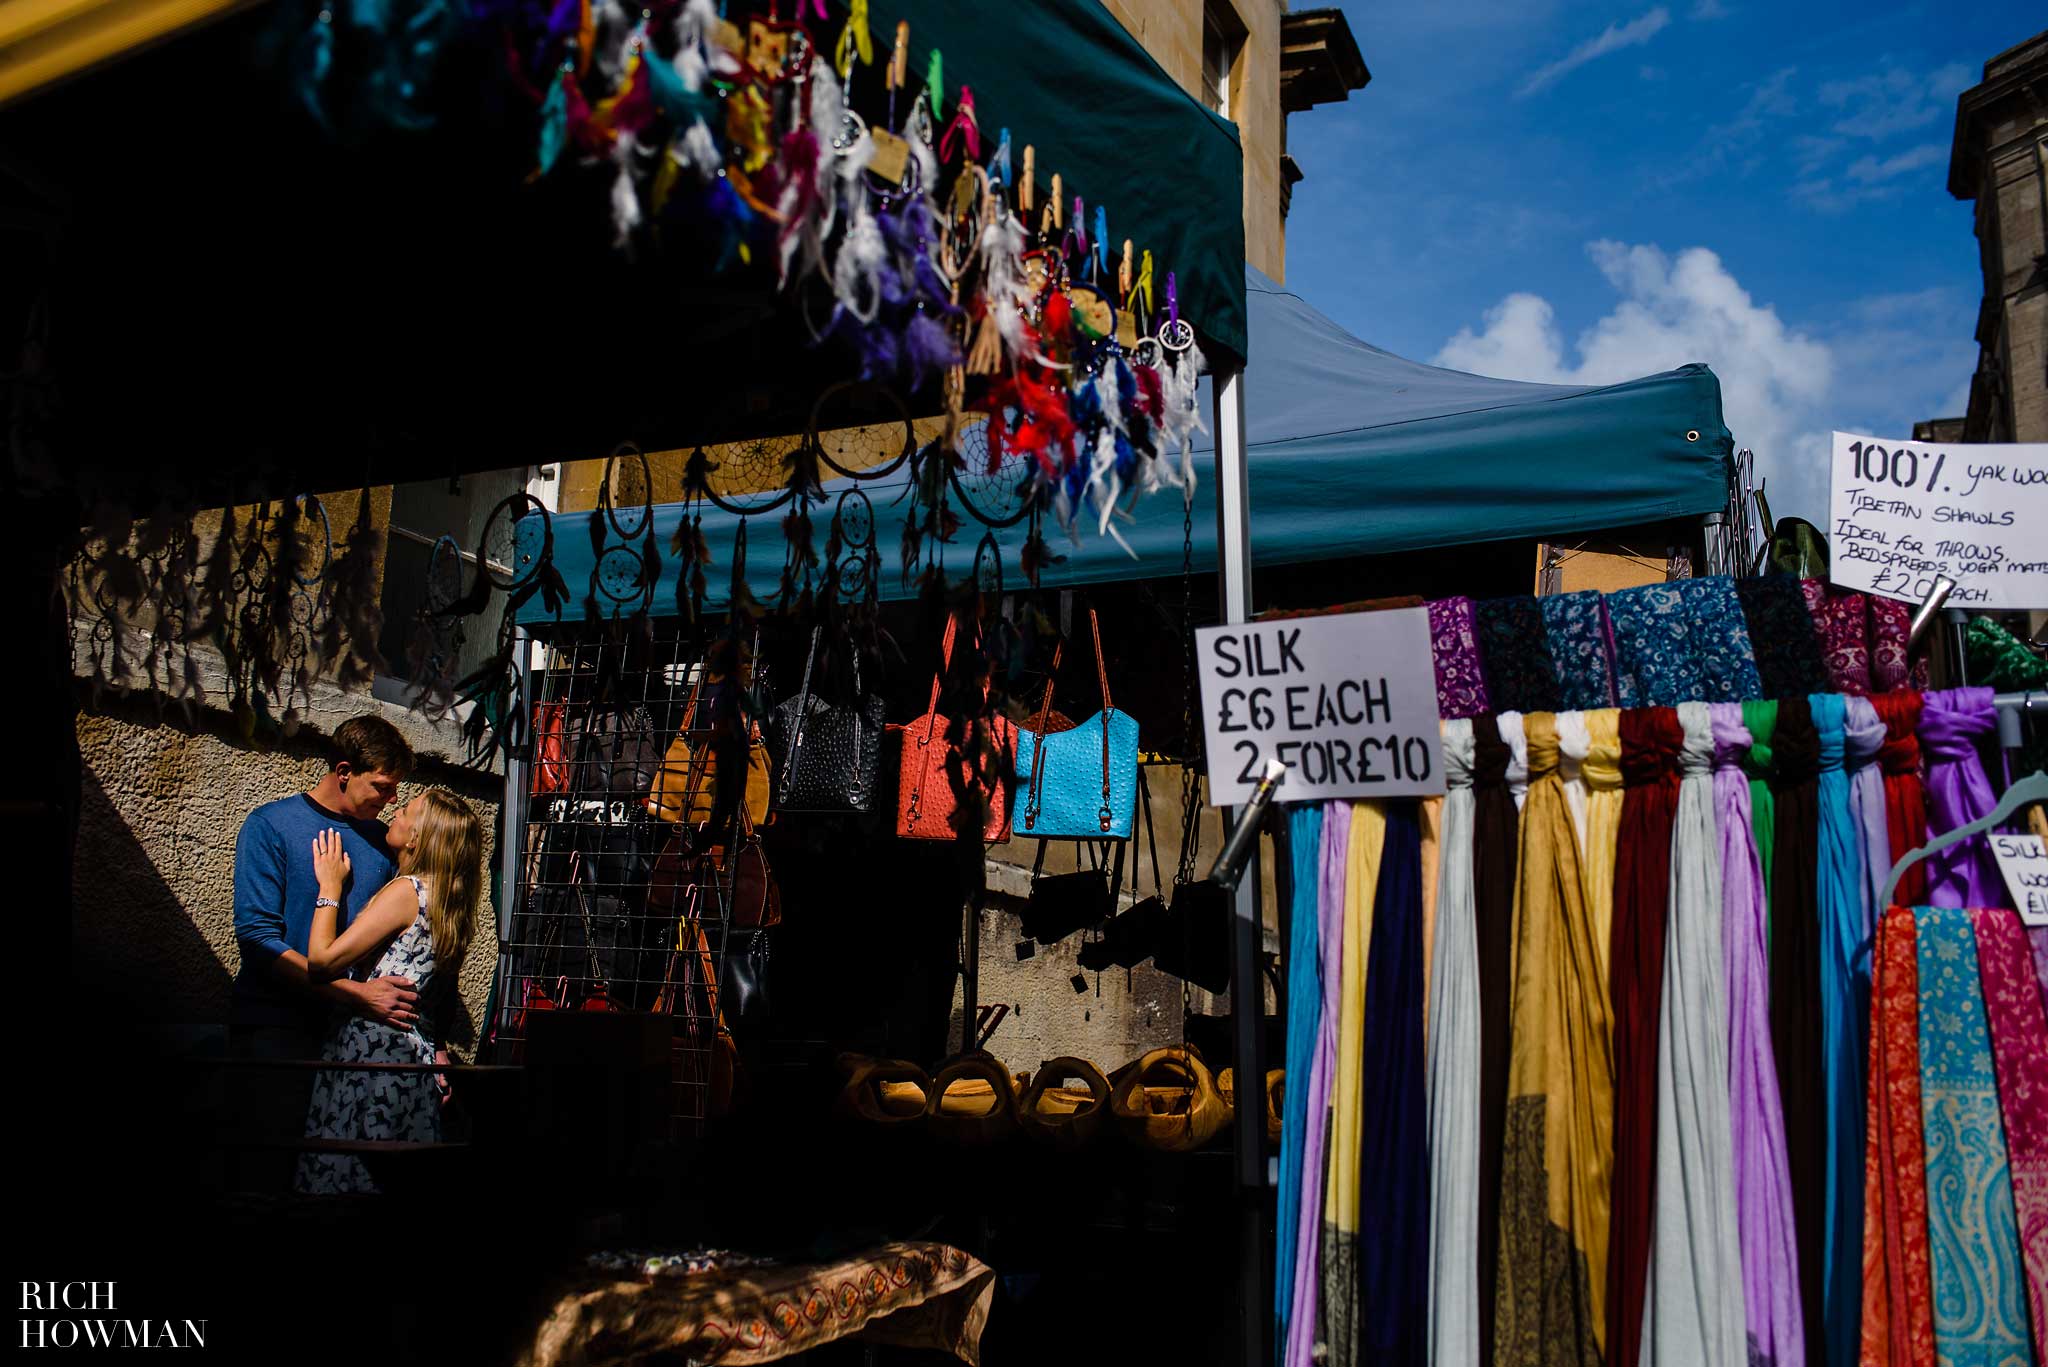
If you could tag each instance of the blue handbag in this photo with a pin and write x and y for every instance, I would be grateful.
(1080, 784)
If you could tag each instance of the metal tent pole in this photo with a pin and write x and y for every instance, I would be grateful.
(1247, 997)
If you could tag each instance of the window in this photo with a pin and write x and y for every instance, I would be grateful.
(1222, 40)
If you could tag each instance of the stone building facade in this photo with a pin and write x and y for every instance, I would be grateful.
(1999, 160)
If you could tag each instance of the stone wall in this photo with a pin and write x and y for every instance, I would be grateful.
(153, 868)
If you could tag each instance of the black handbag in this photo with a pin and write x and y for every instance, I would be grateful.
(827, 757)
(743, 977)
(1062, 903)
(616, 752)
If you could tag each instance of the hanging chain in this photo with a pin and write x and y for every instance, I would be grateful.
(1190, 737)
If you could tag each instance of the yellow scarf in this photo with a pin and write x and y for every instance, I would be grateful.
(1361, 881)
(1602, 772)
(1558, 1159)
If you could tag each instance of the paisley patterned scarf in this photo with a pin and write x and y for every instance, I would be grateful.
(1576, 627)
(1898, 1286)
(2019, 1040)
(1979, 1311)
(1454, 644)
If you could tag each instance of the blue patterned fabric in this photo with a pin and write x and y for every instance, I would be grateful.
(1576, 627)
(1720, 639)
(1655, 662)
(1972, 1235)
(1304, 1018)
(1515, 653)
(1845, 1006)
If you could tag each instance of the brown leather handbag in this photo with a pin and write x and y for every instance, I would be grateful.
(686, 786)
(939, 761)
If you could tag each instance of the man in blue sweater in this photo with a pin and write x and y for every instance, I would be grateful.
(277, 1011)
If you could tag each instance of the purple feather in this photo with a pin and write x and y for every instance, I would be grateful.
(880, 356)
(929, 348)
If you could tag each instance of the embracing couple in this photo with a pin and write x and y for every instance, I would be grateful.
(352, 934)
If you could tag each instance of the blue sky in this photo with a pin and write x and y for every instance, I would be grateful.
(1551, 190)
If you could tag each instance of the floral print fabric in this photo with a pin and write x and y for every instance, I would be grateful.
(1655, 661)
(1720, 640)
(1460, 676)
(1576, 625)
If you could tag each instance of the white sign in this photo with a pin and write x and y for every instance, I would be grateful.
(1901, 512)
(2025, 866)
(1346, 702)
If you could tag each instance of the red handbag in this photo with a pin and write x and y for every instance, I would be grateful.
(550, 749)
(935, 770)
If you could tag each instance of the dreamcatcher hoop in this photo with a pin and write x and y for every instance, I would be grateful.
(868, 389)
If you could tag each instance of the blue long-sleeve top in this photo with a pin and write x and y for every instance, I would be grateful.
(274, 892)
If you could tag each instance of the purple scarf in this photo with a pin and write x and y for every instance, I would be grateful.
(1862, 737)
(1301, 1326)
(1763, 1178)
(1958, 792)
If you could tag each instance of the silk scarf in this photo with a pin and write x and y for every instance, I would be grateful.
(1304, 1023)
(1650, 741)
(1601, 772)
(1454, 646)
(1519, 672)
(1656, 662)
(1430, 813)
(1575, 627)
(2019, 1046)
(1393, 1160)
(1958, 792)
(1841, 623)
(1898, 1286)
(1516, 738)
(1694, 1311)
(1863, 739)
(1781, 633)
(1574, 743)
(1796, 1014)
(1763, 1186)
(1844, 989)
(1979, 1311)
(1557, 1152)
(1340, 1298)
(1304, 1323)
(1760, 719)
(1454, 1070)
(1720, 640)
(1905, 798)
(1495, 835)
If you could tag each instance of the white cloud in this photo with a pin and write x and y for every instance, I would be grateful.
(1710, 9)
(1877, 366)
(1615, 38)
(1894, 100)
(1869, 170)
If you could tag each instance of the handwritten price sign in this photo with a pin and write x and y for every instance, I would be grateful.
(1902, 512)
(1347, 702)
(2025, 866)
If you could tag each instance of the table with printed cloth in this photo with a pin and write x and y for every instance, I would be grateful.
(730, 1309)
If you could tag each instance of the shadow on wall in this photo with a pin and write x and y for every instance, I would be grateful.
(133, 941)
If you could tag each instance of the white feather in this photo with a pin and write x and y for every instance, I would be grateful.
(697, 152)
(693, 32)
(855, 270)
(614, 39)
(1181, 416)
(625, 199)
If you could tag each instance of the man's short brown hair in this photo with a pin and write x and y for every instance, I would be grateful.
(368, 743)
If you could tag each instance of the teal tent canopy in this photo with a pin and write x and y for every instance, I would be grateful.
(1352, 451)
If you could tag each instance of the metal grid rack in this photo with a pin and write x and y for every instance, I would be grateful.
(607, 917)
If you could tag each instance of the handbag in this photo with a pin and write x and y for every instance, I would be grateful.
(744, 974)
(550, 750)
(685, 787)
(1062, 903)
(934, 770)
(829, 756)
(1080, 784)
(617, 755)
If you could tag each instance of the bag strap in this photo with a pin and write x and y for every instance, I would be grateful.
(931, 710)
(1033, 797)
(803, 710)
(1102, 677)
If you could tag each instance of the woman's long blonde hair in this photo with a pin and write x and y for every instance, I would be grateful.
(447, 850)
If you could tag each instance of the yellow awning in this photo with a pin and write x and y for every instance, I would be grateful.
(42, 41)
